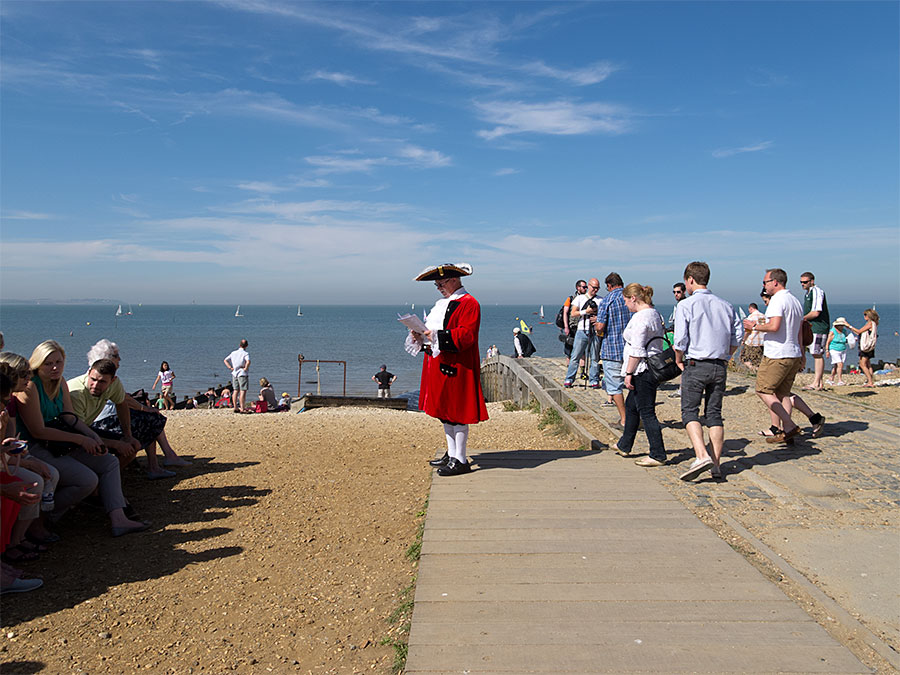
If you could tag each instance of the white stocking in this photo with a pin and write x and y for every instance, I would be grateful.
(461, 433)
(449, 432)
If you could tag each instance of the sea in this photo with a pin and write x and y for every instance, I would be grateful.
(195, 339)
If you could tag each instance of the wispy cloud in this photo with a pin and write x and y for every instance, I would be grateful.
(25, 215)
(406, 155)
(591, 74)
(261, 186)
(561, 118)
(506, 172)
(342, 79)
(730, 152)
(421, 157)
(760, 77)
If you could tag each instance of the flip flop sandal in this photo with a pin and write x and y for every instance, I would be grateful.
(23, 555)
(771, 431)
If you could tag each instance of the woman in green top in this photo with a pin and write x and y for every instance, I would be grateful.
(85, 467)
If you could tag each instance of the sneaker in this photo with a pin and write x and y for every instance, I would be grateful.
(622, 453)
(818, 425)
(595, 386)
(648, 462)
(21, 586)
(567, 385)
(697, 467)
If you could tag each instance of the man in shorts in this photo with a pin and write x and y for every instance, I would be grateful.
(707, 333)
(384, 379)
(782, 359)
(815, 310)
(238, 362)
(612, 317)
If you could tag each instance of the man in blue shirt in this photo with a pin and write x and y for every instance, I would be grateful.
(612, 317)
(707, 333)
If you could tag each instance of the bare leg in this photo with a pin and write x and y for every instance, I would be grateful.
(776, 405)
(840, 371)
(800, 405)
(717, 443)
(695, 433)
(619, 400)
(819, 368)
(865, 365)
(152, 463)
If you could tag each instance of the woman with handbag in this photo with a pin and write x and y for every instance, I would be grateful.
(64, 441)
(868, 336)
(643, 338)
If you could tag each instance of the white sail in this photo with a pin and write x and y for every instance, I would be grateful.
(237, 312)
(542, 312)
(119, 311)
(299, 313)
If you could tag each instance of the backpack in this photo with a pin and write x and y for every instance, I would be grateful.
(560, 320)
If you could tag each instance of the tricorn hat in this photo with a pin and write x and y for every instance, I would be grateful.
(445, 271)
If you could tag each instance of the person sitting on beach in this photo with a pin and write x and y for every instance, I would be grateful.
(145, 420)
(225, 399)
(868, 336)
(267, 396)
(285, 401)
(90, 392)
(75, 450)
(836, 346)
(31, 470)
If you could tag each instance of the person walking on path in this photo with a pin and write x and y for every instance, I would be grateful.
(523, 347)
(782, 359)
(836, 346)
(643, 337)
(450, 389)
(238, 362)
(384, 380)
(707, 333)
(815, 310)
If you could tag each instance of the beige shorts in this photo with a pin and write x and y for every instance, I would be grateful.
(167, 389)
(776, 376)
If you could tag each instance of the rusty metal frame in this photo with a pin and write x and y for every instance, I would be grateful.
(301, 360)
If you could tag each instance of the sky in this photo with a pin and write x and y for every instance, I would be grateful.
(263, 151)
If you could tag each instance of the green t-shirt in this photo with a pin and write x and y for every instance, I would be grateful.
(815, 299)
(87, 407)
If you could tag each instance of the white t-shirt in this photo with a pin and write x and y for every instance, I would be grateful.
(643, 325)
(237, 358)
(584, 322)
(785, 342)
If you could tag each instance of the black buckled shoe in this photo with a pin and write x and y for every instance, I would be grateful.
(440, 462)
(454, 468)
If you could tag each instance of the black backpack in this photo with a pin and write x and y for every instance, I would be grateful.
(560, 319)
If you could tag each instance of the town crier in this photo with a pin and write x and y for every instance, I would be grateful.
(451, 373)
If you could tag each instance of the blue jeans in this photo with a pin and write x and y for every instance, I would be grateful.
(641, 404)
(582, 340)
(613, 380)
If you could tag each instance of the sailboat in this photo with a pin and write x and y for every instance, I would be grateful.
(237, 312)
(128, 313)
(299, 313)
(542, 312)
(119, 311)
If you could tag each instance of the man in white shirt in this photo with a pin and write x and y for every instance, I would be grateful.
(584, 308)
(238, 362)
(782, 358)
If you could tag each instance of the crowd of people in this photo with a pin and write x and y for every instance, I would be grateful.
(64, 445)
(613, 337)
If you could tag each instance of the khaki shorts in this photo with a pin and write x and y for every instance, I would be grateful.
(776, 376)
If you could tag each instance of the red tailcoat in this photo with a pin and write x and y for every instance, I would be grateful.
(451, 381)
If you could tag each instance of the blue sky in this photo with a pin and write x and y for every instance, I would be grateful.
(263, 151)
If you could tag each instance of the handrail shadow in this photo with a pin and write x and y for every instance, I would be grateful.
(88, 562)
(525, 459)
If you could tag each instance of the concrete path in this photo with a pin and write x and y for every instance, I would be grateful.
(579, 562)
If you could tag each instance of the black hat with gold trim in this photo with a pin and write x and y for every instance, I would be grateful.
(445, 271)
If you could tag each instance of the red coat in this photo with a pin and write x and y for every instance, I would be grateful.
(451, 382)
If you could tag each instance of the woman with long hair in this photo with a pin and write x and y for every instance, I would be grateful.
(868, 336)
(643, 338)
(167, 376)
(77, 451)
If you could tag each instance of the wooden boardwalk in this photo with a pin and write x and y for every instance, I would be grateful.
(579, 562)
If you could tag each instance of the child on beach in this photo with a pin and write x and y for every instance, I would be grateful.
(167, 376)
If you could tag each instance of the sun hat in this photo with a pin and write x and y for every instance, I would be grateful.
(840, 321)
(284, 393)
(444, 271)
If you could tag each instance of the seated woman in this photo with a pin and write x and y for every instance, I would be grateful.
(146, 421)
(267, 394)
(29, 533)
(225, 399)
(77, 451)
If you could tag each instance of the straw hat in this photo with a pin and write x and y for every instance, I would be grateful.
(445, 271)
(840, 321)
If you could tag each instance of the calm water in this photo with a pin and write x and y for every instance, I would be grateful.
(194, 339)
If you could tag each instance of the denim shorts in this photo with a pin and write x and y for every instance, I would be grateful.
(613, 382)
(703, 380)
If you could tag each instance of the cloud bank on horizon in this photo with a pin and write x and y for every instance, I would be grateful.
(267, 151)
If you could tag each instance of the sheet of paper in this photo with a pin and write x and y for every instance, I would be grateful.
(412, 322)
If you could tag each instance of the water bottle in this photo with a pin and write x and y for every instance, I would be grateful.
(47, 501)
